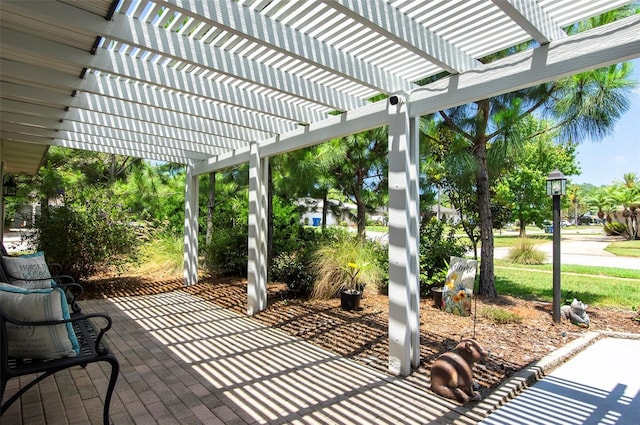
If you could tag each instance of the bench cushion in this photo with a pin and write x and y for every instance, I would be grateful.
(31, 305)
(31, 266)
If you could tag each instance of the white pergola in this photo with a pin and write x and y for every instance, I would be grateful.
(216, 83)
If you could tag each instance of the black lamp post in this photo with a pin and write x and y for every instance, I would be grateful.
(556, 187)
(9, 186)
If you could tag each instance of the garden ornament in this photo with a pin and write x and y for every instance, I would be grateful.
(452, 372)
(576, 313)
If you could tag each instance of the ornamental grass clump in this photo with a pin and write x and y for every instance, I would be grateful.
(345, 263)
(525, 252)
(501, 316)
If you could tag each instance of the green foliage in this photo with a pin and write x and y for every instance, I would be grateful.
(87, 235)
(358, 166)
(288, 232)
(522, 187)
(615, 228)
(500, 316)
(436, 248)
(525, 252)
(292, 268)
(345, 261)
(228, 251)
(161, 255)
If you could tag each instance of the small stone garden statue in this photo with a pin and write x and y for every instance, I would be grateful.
(452, 372)
(576, 313)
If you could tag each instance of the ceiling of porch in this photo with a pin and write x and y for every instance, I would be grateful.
(195, 82)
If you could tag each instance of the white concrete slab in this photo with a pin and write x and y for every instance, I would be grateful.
(600, 385)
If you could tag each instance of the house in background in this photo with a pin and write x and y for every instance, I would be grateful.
(342, 212)
(338, 212)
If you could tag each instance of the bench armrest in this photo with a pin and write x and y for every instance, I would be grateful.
(100, 331)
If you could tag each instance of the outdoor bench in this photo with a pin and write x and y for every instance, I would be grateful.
(91, 349)
(42, 328)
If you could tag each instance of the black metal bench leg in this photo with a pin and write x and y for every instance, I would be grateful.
(115, 370)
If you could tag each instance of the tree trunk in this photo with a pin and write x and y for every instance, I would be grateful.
(487, 286)
(523, 230)
(211, 205)
(269, 222)
(325, 209)
(361, 211)
(361, 218)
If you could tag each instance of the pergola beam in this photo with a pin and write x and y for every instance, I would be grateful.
(46, 52)
(617, 42)
(279, 37)
(603, 46)
(533, 19)
(407, 33)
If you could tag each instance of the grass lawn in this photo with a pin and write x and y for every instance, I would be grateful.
(502, 241)
(624, 248)
(596, 286)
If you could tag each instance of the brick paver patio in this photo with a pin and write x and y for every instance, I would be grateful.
(185, 360)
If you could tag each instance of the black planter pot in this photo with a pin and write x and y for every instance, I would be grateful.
(350, 300)
(437, 297)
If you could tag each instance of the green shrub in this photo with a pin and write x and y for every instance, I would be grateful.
(87, 236)
(436, 249)
(615, 228)
(228, 251)
(500, 316)
(292, 268)
(525, 252)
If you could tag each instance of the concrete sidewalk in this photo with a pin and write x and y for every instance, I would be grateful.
(600, 385)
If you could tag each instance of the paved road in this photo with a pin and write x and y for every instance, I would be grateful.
(580, 247)
(585, 249)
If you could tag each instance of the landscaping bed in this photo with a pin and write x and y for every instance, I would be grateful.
(363, 335)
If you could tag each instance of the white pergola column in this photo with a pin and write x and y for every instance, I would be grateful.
(404, 223)
(191, 208)
(257, 265)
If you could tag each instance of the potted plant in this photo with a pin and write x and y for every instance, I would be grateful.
(351, 292)
(345, 265)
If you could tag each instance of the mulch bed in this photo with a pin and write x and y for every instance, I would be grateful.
(363, 335)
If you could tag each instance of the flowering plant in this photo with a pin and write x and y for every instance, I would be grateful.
(353, 270)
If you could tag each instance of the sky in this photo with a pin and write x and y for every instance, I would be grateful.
(607, 161)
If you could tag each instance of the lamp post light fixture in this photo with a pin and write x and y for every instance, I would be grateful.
(9, 186)
(556, 187)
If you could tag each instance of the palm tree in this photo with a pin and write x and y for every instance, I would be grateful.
(573, 197)
(599, 199)
(629, 200)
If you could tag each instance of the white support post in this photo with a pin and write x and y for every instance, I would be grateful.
(191, 228)
(257, 265)
(413, 247)
(404, 302)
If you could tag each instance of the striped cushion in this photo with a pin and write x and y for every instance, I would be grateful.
(38, 342)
